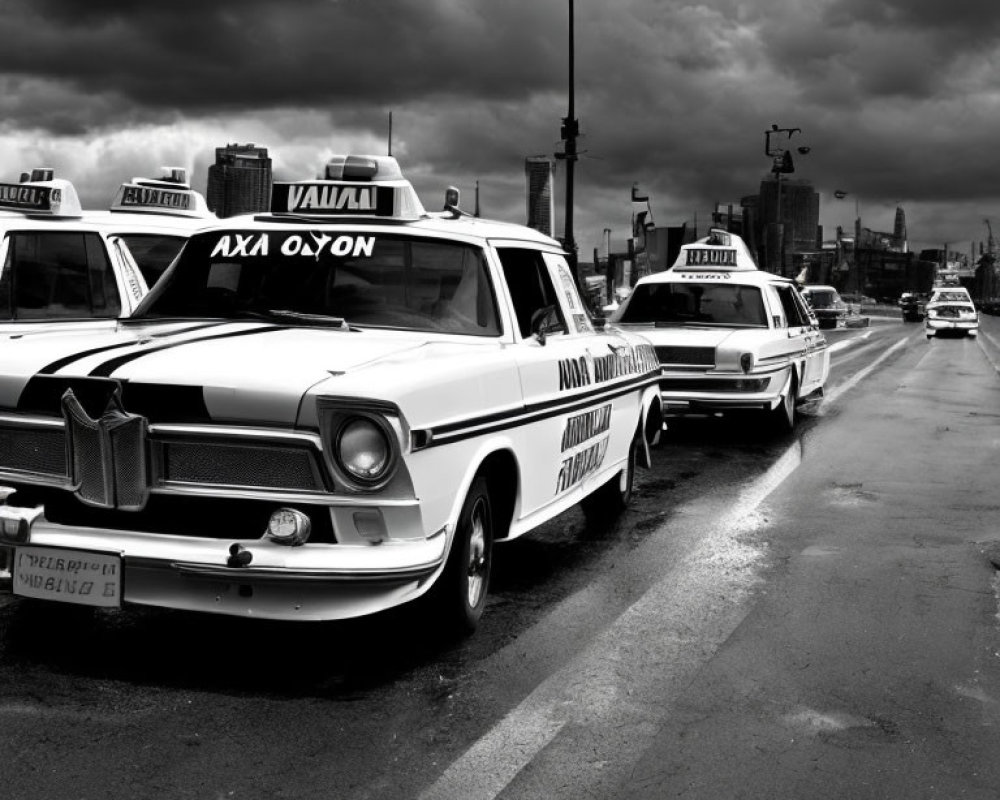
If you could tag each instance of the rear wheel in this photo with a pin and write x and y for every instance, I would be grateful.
(460, 591)
(782, 417)
(613, 497)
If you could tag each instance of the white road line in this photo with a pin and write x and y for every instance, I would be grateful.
(834, 394)
(843, 344)
(649, 652)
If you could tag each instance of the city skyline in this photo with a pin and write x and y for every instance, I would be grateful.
(894, 99)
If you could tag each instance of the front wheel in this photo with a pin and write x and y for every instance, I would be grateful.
(460, 591)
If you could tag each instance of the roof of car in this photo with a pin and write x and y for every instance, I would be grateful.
(370, 193)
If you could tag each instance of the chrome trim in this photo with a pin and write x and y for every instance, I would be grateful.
(31, 421)
(282, 575)
(256, 493)
(224, 431)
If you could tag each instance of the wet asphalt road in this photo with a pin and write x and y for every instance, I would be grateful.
(649, 658)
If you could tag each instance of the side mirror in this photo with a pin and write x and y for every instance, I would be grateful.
(540, 322)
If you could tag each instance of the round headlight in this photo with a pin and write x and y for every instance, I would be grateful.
(363, 450)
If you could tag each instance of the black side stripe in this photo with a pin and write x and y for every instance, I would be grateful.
(55, 366)
(104, 370)
(492, 423)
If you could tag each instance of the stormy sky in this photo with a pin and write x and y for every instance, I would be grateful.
(898, 100)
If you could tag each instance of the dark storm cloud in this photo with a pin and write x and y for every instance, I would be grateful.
(251, 54)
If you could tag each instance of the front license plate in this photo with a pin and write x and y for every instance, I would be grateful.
(85, 577)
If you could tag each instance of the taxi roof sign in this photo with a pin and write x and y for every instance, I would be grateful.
(720, 250)
(352, 186)
(42, 195)
(170, 194)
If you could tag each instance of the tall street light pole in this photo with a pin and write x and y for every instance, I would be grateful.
(781, 164)
(570, 131)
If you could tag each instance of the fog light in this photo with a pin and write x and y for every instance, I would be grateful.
(288, 526)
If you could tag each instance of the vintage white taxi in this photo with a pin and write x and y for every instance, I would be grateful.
(950, 310)
(321, 412)
(69, 268)
(728, 336)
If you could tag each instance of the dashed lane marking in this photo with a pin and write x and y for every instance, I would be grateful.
(834, 394)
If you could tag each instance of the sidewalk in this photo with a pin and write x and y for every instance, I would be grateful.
(870, 666)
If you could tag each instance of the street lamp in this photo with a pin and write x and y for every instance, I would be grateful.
(781, 164)
(840, 194)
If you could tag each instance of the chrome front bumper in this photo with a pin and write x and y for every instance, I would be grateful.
(308, 582)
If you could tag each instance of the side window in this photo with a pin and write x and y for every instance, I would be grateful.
(5, 279)
(531, 289)
(794, 316)
(804, 309)
(580, 318)
(57, 275)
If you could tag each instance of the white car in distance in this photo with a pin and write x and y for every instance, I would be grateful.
(729, 336)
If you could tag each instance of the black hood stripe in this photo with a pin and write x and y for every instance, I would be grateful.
(105, 369)
(55, 366)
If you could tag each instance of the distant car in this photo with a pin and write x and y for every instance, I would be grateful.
(950, 310)
(729, 336)
(912, 307)
(826, 305)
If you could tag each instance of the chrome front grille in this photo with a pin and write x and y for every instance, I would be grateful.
(248, 464)
(35, 450)
(117, 460)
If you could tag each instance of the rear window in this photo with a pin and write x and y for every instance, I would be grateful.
(694, 303)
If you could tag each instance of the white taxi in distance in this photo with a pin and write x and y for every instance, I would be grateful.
(728, 336)
(950, 310)
(321, 412)
(61, 266)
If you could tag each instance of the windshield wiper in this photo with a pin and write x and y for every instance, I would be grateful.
(309, 319)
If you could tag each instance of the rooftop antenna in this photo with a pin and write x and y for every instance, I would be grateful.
(390, 134)
(476, 214)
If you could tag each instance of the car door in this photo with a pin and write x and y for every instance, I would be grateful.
(806, 343)
(576, 427)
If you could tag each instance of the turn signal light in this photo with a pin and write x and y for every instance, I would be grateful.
(746, 362)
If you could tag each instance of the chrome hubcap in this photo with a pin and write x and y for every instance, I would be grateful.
(476, 572)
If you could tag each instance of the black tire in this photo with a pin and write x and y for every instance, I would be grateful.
(781, 419)
(611, 499)
(459, 594)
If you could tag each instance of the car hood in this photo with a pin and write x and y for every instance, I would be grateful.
(229, 371)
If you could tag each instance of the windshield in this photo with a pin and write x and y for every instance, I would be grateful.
(820, 298)
(950, 297)
(153, 252)
(695, 303)
(388, 281)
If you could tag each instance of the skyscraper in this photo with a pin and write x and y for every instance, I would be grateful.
(541, 210)
(239, 182)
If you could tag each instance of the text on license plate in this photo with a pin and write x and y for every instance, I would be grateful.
(85, 577)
